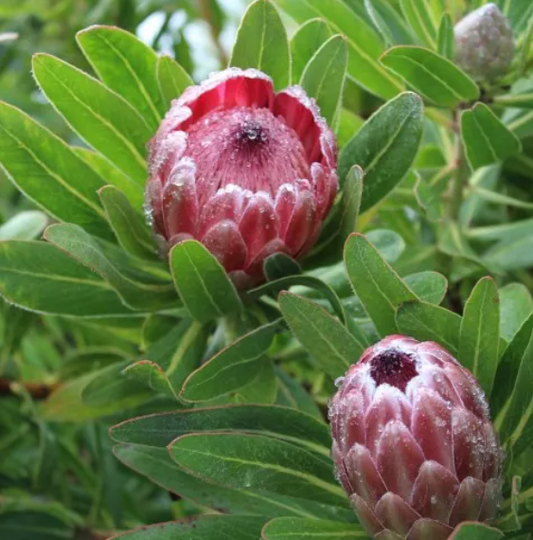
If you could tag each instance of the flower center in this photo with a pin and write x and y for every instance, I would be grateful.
(394, 368)
(245, 146)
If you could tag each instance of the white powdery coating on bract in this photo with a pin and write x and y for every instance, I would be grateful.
(484, 43)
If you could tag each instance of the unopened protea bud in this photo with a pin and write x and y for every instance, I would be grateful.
(244, 170)
(484, 44)
(413, 442)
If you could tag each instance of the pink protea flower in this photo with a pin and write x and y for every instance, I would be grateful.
(413, 442)
(244, 170)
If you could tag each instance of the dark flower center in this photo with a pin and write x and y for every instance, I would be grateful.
(251, 133)
(394, 368)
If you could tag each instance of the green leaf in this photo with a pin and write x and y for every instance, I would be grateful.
(516, 305)
(279, 265)
(108, 172)
(423, 19)
(511, 254)
(486, 139)
(84, 248)
(200, 528)
(202, 283)
(26, 225)
(22, 525)
(518, 12)
(130, 229)
(305, 43)
(323, 77)
(475, 531)
(40, 277)
(427, 322)
(292, 394)
(152, 376)
(334, 234)
(172, 79)
(385, 147)
(156, 464)
(480, 333)
(262, 43)
(125, 65)
(232, 368)
(514, 423)
(446, 37)
(272, 421)
(327, 340)
(379, 22)
(508, 369)
(365, 44)
(430, 287)
(377, 285)
(389, 243)
(432, 75)
(263, 389)
(307, 529)
(100, 116)
(46, 170)
(349, 125)
(258, 463)
(429, 199)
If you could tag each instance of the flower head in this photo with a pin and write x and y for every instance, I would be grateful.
(413, 442)
(484, 44)
(244, 170)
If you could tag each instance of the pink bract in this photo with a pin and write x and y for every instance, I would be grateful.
(246, 171)
(414, 446)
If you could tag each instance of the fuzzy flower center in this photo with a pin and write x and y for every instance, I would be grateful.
(394, 368)
(245, 146)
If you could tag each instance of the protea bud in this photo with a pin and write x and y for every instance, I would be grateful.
(484, 44)
(246, 171)
(414, 446)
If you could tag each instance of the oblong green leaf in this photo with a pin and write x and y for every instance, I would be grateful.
(40, 277)
(262, 43)
(100, 116)
(45, 169)
(172, 79)
(125, 65)
(430, 74)
(508, 369)
(446, 37)
(486, 139)
(429, 286)
(423, 19)
(130, 229)
(334, 348)
(113, 176)
(202, 528)
(365, 45)
(516, 305)
(260, 464)
(480, 333)
(385, 147)
(157, 465)
(323, 77)
(427, 322)
(305, 43)
(270, 420)
(22, 524)
(232, 368)
(307, 529)
(377, 285)
(475, 531)
(84, 248)
(202, 283)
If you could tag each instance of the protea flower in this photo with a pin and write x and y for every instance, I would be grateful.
(414, 446)
(246, 171)
(484, 44)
